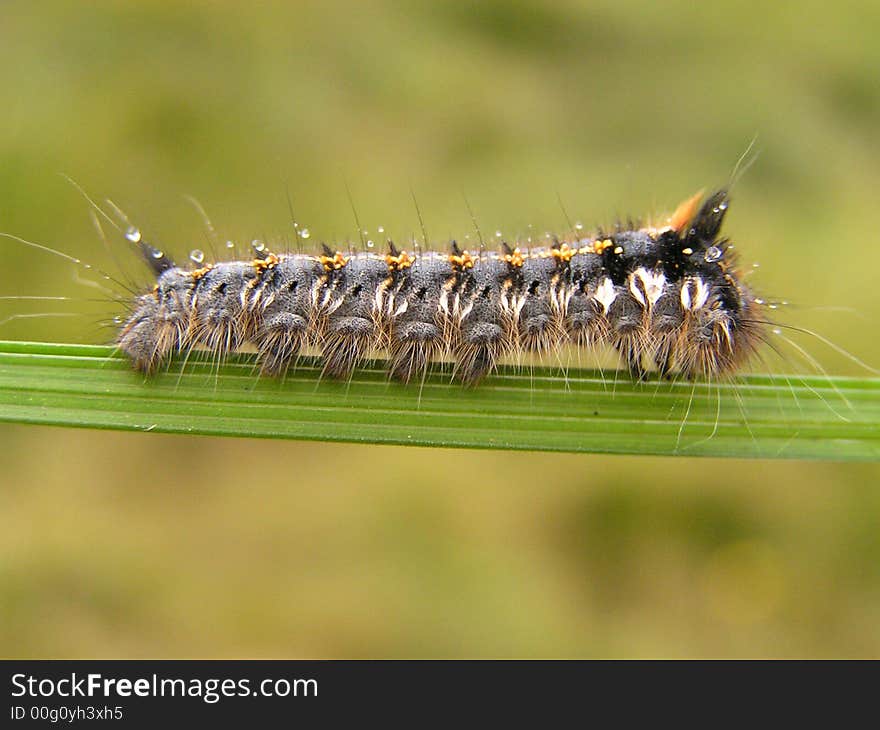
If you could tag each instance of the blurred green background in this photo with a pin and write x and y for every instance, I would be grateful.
(126, 545)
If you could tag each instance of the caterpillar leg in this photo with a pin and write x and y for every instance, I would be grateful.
(413, 347)
(477, 355)
(347, 341)
(280, 340)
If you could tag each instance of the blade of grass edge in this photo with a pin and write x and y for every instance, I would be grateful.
(756, 416)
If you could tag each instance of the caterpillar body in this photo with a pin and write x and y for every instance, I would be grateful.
(668, 297)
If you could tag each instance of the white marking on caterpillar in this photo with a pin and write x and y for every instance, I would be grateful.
(605, 294)
(694, 301)
(652, 283)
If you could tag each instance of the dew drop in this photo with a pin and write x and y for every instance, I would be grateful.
(579, 226)
(133, 234)
(156, 253)
(370, 244)
(117, 320)
(381, 229)
(498, 234)
(759, 301)
(713, 253)
(304, 233)
(87, 266)
(196, 256)
(258, 245)
(756, 265)
(777, 331)
(230, 244)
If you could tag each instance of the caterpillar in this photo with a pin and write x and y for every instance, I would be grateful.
(669, 299)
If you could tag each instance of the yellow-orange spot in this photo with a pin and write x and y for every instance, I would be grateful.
(199, 273)
(563, 253)
(261, 265)
(333, 263)
(402, 261)
(514, 258)
(462, 261)
(685, 212)
(601, 246)
(618, 250)
(687, 251)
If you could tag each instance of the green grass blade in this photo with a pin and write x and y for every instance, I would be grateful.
(541, 409)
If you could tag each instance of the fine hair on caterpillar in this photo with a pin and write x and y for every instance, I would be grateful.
(669, 297)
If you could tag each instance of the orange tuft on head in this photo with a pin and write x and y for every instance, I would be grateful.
(685, 212)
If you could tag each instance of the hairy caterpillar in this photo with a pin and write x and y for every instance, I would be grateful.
(669, 296)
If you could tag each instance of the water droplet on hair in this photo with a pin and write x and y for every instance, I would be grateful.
(756, 265)
(258, 245)
(117, 320)
(156, 253)
(133, 234)
(713, 253)
(498, 234)
(777, 331)
(87, 266)
(230, 244)
(370, 244)
(579, 226)
(381, 229)
(304, 233)
(196, 256)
